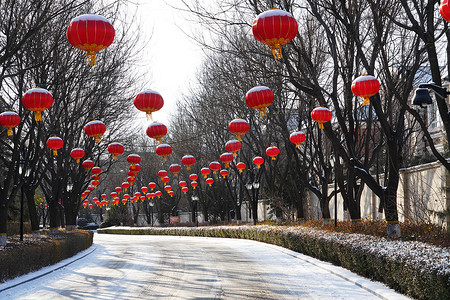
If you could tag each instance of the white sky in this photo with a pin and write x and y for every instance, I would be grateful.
(172, 58)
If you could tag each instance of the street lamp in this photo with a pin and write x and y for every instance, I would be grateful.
(253, 187)
(333, 163)
(151, 212)
(194, 199)
(422, 96)
(27, 173)
(69, 186)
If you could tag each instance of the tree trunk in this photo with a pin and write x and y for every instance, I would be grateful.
(32, 211)
(3, 224)
(53, 212)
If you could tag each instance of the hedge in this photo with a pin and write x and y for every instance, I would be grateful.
(47, 251)
(408, 267)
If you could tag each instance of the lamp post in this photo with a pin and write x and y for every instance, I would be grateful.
(195, 199)
(333, 164)
(151, 212)
(27, 173)
(253, 187)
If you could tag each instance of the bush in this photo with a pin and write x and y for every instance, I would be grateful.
(416, 269)
(28, 256)
(14, 228)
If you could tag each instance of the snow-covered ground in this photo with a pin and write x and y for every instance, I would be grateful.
(171, 267)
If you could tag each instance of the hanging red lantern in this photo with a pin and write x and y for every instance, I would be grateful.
(258, 161)
(132, 173)
(209, 181)
(238, 127)
(87, 165)
(118, 189)
(90, 188)
(182, 183)
(103, 196)
(171, 193)
(144, 189)
(125, 186)
(162, 173)
(156, 130)
(95, 183)
(185, 189)
(273, 152)
(91, 205)
(137, 194)
(158, 194)
(163, 150)
(152, 185)
(142, 198)
(241, 167)
(321, 115)
(224, 173)
(148, 101)
(275, 28)
(77, 154)
(115, 149)
(96, 170)
(135, 168)
(90, 33)
(188, 161)
(205, 172)
(444, 9)
(9, 120)
(226, 158)
(233, 146)
(95, 177)
(365, 86)
(165, 179)
(131, 180)
(194, 184)
(124, 201)
(193, 177)
(55, 143)
(175, 169)
(37, 100)
(150, 195)
(133, 159)
(215, 166)
(95, 129)
(297, 137)
(168, 188)
(259, 98)
(113, 195)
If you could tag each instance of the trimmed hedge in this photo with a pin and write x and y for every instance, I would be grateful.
(395, 271)
(48, 251)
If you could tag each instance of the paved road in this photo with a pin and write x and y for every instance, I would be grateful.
(165, 267)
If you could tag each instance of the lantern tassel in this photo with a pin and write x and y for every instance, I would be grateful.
(227, 165)
(164, 157)
(55, 152)
(240, 171)
(262, 112)
(37, 116)
(276, 51)
(92, 57)
(78, 160)
(321, 126)
(188, 167)
(366, 101)
(258, 167)
(239, 138)
(10, 132)
(234, 154)
(274, 158)
(149, 116)
(116, 157)
(97, 139)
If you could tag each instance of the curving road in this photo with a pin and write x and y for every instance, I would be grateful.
(166, 267)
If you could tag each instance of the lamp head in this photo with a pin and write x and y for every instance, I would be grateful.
(422, 97)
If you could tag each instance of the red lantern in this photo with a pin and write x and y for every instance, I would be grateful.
(113, 195)
(171, 193)
(132, 173)
(193, 177)
(137, 194)
(233, 146)
(194, 184)
(156, 130)
(9, 120)
(215, 166)
(90, 33)
(124, 201)
(118, 189)
(365, 86)
(91, 205)
(297, 137)
(37, 100)
(273, 152)
(150, 195)
(165, 179)
(144, 189)
(95, 183)
(152, 185)
(444, 9)
(258, 161)
(241, 167)
(188, 161)
(103, 196)
(88, 164)
(95, 129)
(125, 186)
(131, 180)
(163, 150)
(148, 102)
(238, 127)
(275, 28)
(168, 188)
(224, 173)
(209, 181)
(175, 169)
(259, 98)
(226, 158)
(321, 115)
(90, 187)
(96, 170)
(182, 183)
(115, 149)
(205, 172)
(55, 143)
(77, 154)
(162, 173)
(133, 159)
(135, 168)
(185, 189)
(95, 177)
(142, 198)
(158, 194)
